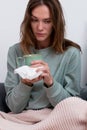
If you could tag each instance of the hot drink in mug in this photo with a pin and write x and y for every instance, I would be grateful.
(27, 59)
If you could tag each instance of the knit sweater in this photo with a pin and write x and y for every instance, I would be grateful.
(65, 69)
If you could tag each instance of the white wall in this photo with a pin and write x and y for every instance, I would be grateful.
(11, 16)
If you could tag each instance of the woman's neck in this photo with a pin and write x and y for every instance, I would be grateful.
(42, 45)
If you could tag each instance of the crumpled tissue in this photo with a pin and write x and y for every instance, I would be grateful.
(27, 72)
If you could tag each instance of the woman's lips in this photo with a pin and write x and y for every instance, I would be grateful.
(40, 34)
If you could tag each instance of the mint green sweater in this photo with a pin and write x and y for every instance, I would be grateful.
(65, 69)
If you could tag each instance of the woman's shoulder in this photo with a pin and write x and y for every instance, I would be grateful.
(15, 46)
(72, 49)
(15, 49)
(72, 53)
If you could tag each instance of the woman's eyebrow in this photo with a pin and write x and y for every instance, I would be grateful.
(33, 16)
(43, 18)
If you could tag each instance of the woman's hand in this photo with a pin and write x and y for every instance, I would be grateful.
(30, 82)
(44, 68)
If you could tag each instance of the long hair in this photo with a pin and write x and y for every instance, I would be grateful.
(57, 36)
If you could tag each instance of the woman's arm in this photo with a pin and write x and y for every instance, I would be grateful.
(17, 93)
(71, 82)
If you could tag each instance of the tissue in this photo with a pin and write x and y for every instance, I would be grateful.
(27, 72)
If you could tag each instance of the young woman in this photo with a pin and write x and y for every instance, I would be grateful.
(37, 100)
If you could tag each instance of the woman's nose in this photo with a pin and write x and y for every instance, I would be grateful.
(40, 25)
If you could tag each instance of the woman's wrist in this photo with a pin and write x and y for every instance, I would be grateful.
(48, 86)
(30, 84)
(27, 83)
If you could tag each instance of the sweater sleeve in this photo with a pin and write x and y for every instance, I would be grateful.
(71, 83)
(17, 93)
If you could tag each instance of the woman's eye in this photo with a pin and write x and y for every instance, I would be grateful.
(47, 21)
(34, 20)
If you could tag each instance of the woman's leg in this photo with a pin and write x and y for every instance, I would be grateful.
(69, 114)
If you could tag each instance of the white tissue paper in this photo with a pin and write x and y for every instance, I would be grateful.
(27, 72)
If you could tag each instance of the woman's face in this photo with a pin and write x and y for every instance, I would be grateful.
(41, 24)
